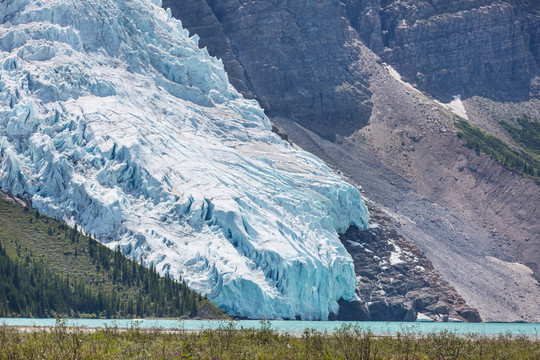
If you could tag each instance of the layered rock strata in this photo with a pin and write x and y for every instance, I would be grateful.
(489, 48)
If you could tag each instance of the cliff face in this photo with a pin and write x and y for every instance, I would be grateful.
(306, 59)
(296, 57)
(320, 64)
(479, 47)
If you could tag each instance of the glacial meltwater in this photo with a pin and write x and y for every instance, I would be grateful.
(292, 327)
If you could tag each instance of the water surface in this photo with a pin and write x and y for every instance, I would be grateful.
(295, 327)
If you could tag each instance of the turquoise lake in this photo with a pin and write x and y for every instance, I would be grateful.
(295, 327)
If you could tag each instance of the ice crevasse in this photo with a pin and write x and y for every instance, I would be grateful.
(112, 118)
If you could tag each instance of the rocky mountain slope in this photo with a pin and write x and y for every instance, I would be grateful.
(396, 281)
(112, 118)
(319, 70)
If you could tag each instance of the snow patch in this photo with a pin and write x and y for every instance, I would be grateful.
(395, 256)
(456, 106)
(420, 317)
(393, 72)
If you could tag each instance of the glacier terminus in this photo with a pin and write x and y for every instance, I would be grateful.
(113, 119)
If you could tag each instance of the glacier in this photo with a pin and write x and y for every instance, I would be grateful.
(112, 118)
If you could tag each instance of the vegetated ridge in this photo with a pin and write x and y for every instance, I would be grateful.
(48, 269)
(525, 160)
(525, 132)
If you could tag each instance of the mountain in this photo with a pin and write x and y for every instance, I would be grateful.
(113, 119)
(50, 270)
(374, 87)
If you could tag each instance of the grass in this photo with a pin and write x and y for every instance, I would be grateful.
(228, 342)
(525, 132)
(524, 160)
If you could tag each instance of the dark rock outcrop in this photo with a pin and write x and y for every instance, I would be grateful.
(395, 279)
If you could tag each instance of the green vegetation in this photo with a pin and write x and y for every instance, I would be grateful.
(526, 133)
(524, 160)
(227, 342)
(48, 269)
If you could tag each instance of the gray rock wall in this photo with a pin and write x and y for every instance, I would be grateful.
(472, 47)
(298, 57)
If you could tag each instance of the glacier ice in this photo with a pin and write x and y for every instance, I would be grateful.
(112, 118)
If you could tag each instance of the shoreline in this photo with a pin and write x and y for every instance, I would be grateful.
(384, 330)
